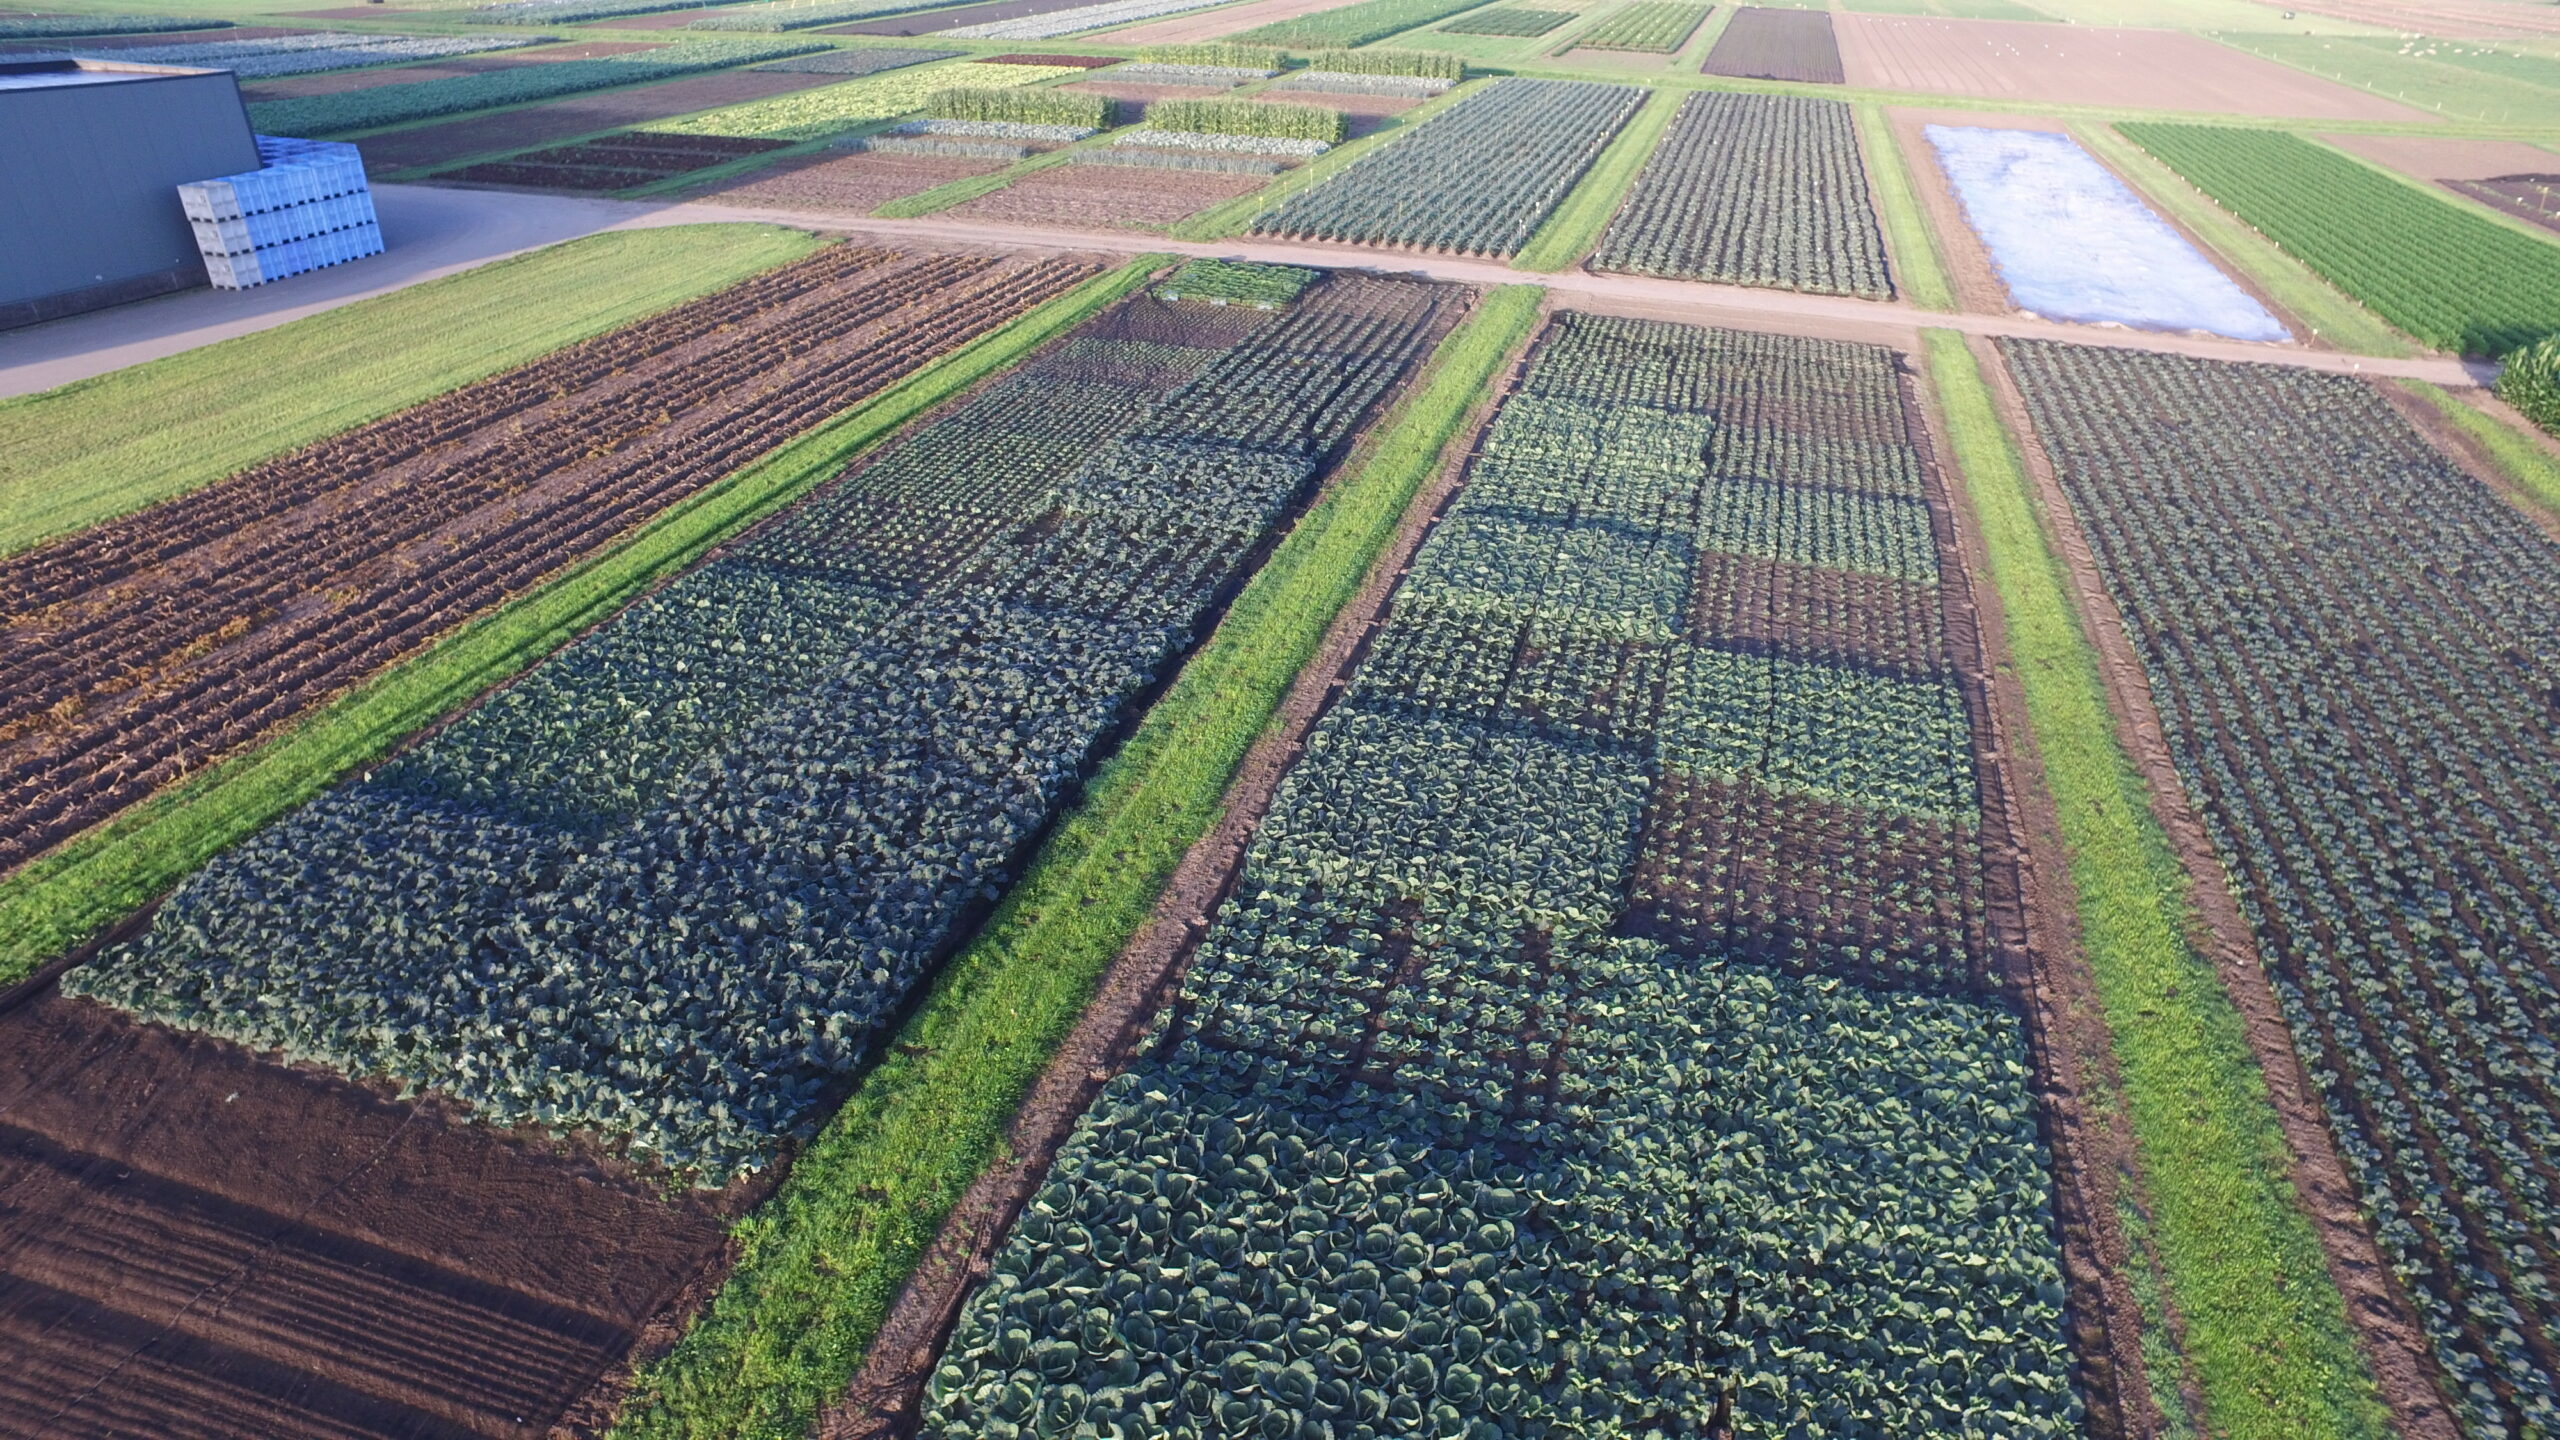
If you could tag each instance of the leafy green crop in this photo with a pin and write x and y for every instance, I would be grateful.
(1649, 25)
(1238, 282)
(379, 105)
(1519, 20)
(2452, 278)
(1354, 25)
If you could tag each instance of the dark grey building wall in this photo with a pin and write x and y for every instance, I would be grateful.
(89, 210)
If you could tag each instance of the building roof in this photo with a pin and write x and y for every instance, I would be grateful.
(53, 72)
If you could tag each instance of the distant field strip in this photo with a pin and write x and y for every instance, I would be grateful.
(381, 105)
(1553, 1069)
(1519, 20)
(1648, 25)
(2349, 640)
(2448, 276)
(1354, 25)
(811, 114)
(305, 54)
(1754, 190)
(1477, 178)
(98, 448)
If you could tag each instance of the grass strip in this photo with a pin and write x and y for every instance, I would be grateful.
(1919, 271)
(2526, 465)
(98, 448)
(2266, 1330)
(2331, 313)
(1576, 224)
(1220, 221)
(70, 894)
(821, 1262)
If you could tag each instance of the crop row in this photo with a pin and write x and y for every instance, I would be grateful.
(1764, 44)
(1657, 27)
(141, 648)
(2348, 640)
(1519, 20)
(1754, 190)
(380, 105)
(1347, 27)
(39, 27)
(670, 885)
(1052, 23)
(1426, 1144)
(1478, 178)
(811, 114)
(303, 54)
(2453, 279)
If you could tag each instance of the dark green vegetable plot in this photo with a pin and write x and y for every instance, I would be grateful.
(1428, 1142)
(2450, 277)
(1650, 25)
(670, 885)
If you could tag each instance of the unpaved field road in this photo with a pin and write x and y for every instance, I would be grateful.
(139, 650)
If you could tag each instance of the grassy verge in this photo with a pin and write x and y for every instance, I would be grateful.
(822, 1261)
(1576, 224)
(72, 893)
(2265, 1329)
(2331, 313)
(106, 446)
(1232, 217)
(1919, 271)
(2526, 465)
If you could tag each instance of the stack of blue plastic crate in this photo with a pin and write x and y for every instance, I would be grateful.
(306, 206)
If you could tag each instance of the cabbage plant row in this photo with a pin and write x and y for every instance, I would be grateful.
(1477, 179)
(2351, 645)
(1754, 190)
(1441, 1135)
(670, 885)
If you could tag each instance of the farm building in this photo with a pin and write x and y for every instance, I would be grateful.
(89, 211)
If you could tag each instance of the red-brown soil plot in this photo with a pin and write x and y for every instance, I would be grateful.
(452, 140)
(1112, 196)
(2090, 65)
(196, 1244)
(137, 651)
(859, 182)
(1761, 44)
(614, 162)
(2432, 158)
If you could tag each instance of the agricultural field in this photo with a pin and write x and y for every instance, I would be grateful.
(612, 162)
(2527, 197)
(381, 105)
(1754, 190)
(1120, 195)
(207, 620)
(814, 114)
(1482, 1070)
(1764, 44)
(1654, 27)
(2366, 726)
(1478, 178)
(885, 692)
(1514, 20)
(2447, 276)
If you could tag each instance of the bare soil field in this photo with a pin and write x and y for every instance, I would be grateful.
(613, 162)
(2455, 19)
(1214, 24)
(2430, 158)
(1766, 44)
(196, 1242)
(292, 86)
(2090, 65)
(449, 140)
(859, 183)
(137, 651)
(1124, 197)
(1134, 97)
(1370, 108)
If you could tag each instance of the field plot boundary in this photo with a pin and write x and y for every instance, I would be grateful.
(1583, 218)
(2235, 1039)
(1912, 251)
(823, 1262)
(1236, 217)
(64, 897)
(2507, 451)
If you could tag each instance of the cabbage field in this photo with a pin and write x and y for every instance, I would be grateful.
(670, 885)
(1754, 190)
(2350, 643)
(1556, 1067)
(1476, 179)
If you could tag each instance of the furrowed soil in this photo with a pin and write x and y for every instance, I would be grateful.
(288, 87)
(859, 183)
(1126, 197)
(2386, 1327)
(2090, 65)
(137, 651)
(199, 1244)
(884, 1400)
(2432, 158)
(450, 140)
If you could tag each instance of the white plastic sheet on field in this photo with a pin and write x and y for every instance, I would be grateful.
(2072, 243)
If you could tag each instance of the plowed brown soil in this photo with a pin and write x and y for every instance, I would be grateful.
(1128, 197)
(567, 119)
(857, 183)
(195, 1242)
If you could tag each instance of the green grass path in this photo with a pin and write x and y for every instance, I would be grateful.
(824, 1258)
(65, 897)
(98, 448)
(2265, 1328)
